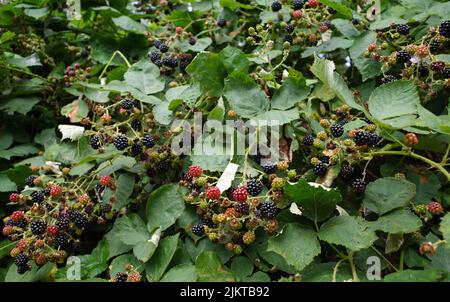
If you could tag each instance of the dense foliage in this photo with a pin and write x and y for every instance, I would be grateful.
(95, 94)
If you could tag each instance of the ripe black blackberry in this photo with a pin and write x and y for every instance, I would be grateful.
(289, 28)
(19, 223)
(163, 166)
(242, 207)
(276, 6)
(29, 181)
(308, 140)
(403, 29)
(298, 4)
(121, 277)
(136, 125)
(361, 138)
(198, 229)
(63, 221)
(94, 142)
(254, 187)
(158, 63)
(403, 56)
(359, 185)
(288, 38)
(120, 142)
(346, 170)
(337, 130)
(373, 139)
(446, 72)
(320, 169)
(343, 121)
(331, 10)
(79, 219)
(437, 66)
(21, 260)
(268, 209)
(148, 141)
(163, 48)
(170, 62)
(423, 69)
(221, 22)
(269, 168)
(156, 43)
(136, 149)
(444, 28)
(38, 196)
(434, 46)
(38, 227)
(192, 41)
(61, 240)
(126, 104)
(388, 79)
(155, 56)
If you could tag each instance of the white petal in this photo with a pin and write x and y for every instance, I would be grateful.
(71, 132)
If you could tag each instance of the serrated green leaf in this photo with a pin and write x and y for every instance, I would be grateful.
(297, 244)
(209, 268)
(160, 260)
(386, 194)
(349, 231)
(396, 222)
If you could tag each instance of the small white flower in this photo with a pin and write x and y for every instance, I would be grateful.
(71, 132)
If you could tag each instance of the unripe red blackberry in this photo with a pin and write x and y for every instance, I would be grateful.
(410, 139)
(14, 197)
(195, 171)
(213, 193)
(435, 208)
(240, 194)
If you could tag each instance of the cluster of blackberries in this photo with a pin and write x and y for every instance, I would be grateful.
(79, 219)
(362, 138)
(389, 78)
(444, 28)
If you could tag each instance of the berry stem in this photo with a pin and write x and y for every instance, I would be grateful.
(117, 52)
(416, 156)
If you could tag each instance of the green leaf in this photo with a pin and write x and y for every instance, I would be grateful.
(244, 95)
(6, 140)
(297, 244)
(160, 260)
(340, 8)
(349, 231)
(125, 187)
(368, 67)
(386, 194)
(346, 28)
(131, 230)
(21, 105)
(20, 150)
(280, 116)
(187, 93)
(209, 72)
(181, 273)
(293, 91)
(22, 62)
(445, 228)
(257, 277)
(396, 222)
(35, 274)
(316, 203)
(402, 100)
(6, 185)
(209, 268)
(324, 71)
(410, 275)
(195, 249)
(5, 247)
(328, 46)
(145, 77)
(128, 24)
(242, 267)
(323, 272)
(234, 59)
(164, 206)
(427, 185)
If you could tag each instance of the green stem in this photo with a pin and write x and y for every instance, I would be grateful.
(353, 267)
(117, 52)
(402, 256)
(416, 156)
